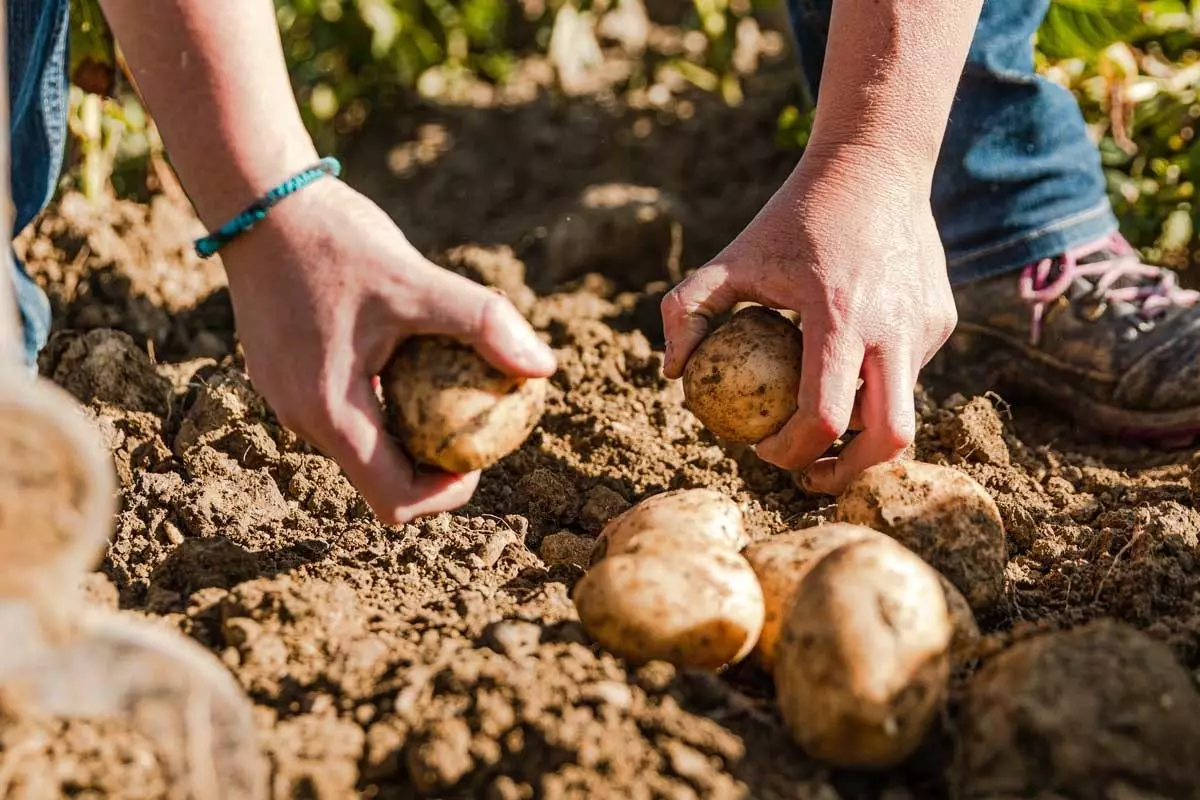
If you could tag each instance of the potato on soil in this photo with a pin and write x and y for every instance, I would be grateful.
(452, 409)
(692, 609)
(688, 518)
(863, 661)
(782, 561)
(939, 513)
(742, 380)
(1099, 711)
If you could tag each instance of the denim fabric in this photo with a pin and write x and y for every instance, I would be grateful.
(1017, 178)
(38, 101)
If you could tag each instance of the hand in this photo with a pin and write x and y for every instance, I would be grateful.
(852, 247)
(324, 290)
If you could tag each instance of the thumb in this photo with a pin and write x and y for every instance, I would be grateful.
(688, 308)
(458, 307)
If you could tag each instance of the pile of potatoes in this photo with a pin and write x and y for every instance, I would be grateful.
(861, 621)
(858, 631)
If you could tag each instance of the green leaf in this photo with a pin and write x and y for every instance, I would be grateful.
(1083, 28)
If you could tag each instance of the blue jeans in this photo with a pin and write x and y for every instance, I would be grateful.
(38, 101)
(1017, 178)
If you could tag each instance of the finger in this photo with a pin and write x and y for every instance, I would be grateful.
(687, 310)
(458, 307)
(353, 434)
(828, 382)
(890, 426)
(856, 416)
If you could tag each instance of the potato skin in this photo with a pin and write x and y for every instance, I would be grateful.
(863, 660)
(939, 513)
(690, 518)
(742, 380)
(453, 410)
(782, 561)
(701, 610)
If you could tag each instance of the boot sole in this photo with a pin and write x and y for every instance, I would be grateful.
(1174, 428)
(57, 489)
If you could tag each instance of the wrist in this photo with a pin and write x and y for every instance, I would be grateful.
(905, 174)
(242, 175)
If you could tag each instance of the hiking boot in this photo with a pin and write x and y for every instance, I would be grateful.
(57, 490)
(1112, 342)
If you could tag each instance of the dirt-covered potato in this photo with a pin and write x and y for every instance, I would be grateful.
(741, 381)
(966, 627)
(692, 609)
(1099, 711)
(863, 660)
(782, 561)
(689, 518)
(452, 409)
(939, 513)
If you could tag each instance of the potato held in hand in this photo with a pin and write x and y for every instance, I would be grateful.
(678, 520)
(742, 380)
(693, 609)
(939, 513)
(863, 660)
(453, 410)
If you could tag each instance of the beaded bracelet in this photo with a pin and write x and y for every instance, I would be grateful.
(257, 211)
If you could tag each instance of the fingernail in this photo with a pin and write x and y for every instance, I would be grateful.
(534, 353)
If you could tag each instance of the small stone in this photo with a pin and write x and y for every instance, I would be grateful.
(171, 532)
(618, 695)
(688, 763)
(513, 637)
(494, 546)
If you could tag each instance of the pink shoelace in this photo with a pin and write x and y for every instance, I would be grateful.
(1041, 285)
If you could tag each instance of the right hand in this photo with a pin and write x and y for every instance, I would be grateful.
(852, 247)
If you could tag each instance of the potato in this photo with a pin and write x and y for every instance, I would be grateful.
(782, 561)
(742, 380)
(1102, 710)
(693, 609)
(690, 518)
(939, 513)
(966, 628)
(452, 409)
(863, 661)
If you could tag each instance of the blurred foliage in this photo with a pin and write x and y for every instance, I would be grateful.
(1134, 66)
(1137, 84)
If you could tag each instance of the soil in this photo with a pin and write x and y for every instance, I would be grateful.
(444, 658)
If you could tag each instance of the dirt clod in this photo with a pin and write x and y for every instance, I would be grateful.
(1100, 711)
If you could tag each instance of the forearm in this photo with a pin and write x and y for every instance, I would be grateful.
(891, 71)
(214, 78)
